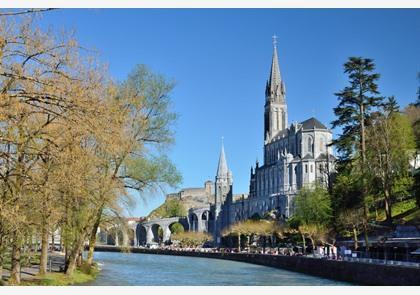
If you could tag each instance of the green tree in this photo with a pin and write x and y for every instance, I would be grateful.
(143, 120)
(390, 146)
(176, 228)
(413, 113)
(350, 222)
(312, 213)
(356, 104)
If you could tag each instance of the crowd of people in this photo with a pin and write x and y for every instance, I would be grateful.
(323, 252)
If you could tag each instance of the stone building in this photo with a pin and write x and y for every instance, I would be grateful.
(294, 157)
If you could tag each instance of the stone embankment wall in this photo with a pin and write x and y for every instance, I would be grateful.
(354, 272)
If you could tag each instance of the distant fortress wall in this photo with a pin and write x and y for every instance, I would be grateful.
(195, 196)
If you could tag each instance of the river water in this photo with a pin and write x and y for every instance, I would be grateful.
(135, 269)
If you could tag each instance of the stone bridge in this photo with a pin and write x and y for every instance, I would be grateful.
(142, 231)
(147, 231)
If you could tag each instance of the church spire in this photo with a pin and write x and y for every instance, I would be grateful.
(275, 78)
(275, 87)
(275, 109)
(222, 168)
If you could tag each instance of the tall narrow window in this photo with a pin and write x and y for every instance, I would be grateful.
(309, 145)
(306, 168)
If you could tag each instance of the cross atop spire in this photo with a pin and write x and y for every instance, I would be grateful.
(274, 40)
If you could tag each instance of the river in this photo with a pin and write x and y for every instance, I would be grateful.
(135, 269)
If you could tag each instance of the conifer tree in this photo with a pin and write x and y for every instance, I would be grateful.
(356, 104)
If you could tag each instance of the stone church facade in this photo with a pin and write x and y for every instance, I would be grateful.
(294, 156)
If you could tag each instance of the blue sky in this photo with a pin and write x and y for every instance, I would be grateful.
(220, 60)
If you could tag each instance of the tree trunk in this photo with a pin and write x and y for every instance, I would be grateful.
(15, 273)
(363, 153)
(1, 263)
(66, 258)
(313, 244)
(73, 257)
(52, 241)
(388, 212)
(356, 242)
(366, 237)
(92, 242)
(239, 243)
(44, 251)
(304, 243)
(264, 244)
(80, 259)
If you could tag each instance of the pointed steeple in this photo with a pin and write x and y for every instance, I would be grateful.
(222, 168)
(275, 78)
(275, 87)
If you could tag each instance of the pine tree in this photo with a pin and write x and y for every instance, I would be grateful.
(356, 104)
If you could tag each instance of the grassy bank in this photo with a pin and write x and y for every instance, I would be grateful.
(403, 212)
(82, 275)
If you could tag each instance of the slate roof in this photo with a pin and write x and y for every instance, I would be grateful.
(308, 157)
(324, 157)
(312, 123)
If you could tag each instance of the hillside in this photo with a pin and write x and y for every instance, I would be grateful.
(170, 208)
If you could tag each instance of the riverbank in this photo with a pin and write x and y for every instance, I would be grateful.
(55, 275)
(353, 272)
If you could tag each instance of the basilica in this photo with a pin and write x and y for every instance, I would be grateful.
(295, 156)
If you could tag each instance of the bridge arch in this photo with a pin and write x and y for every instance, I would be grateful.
(141, 234)
(157, 231)
(194, 221)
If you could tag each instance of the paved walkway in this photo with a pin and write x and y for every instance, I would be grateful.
(28, 273)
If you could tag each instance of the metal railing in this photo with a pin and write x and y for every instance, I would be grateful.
(382, 261)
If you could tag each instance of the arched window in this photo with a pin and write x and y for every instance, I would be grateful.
(310, 145)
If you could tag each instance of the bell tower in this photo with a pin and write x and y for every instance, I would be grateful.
(275, 108)
(222, 196)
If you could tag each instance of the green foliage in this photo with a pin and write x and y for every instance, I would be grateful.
(389, 147)
(312, 206)
(346, 190)
(398, 208)
(402, 187)
(147, 172)
(171, 208)
(356, 103)
(176, 228)
(150, 94)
